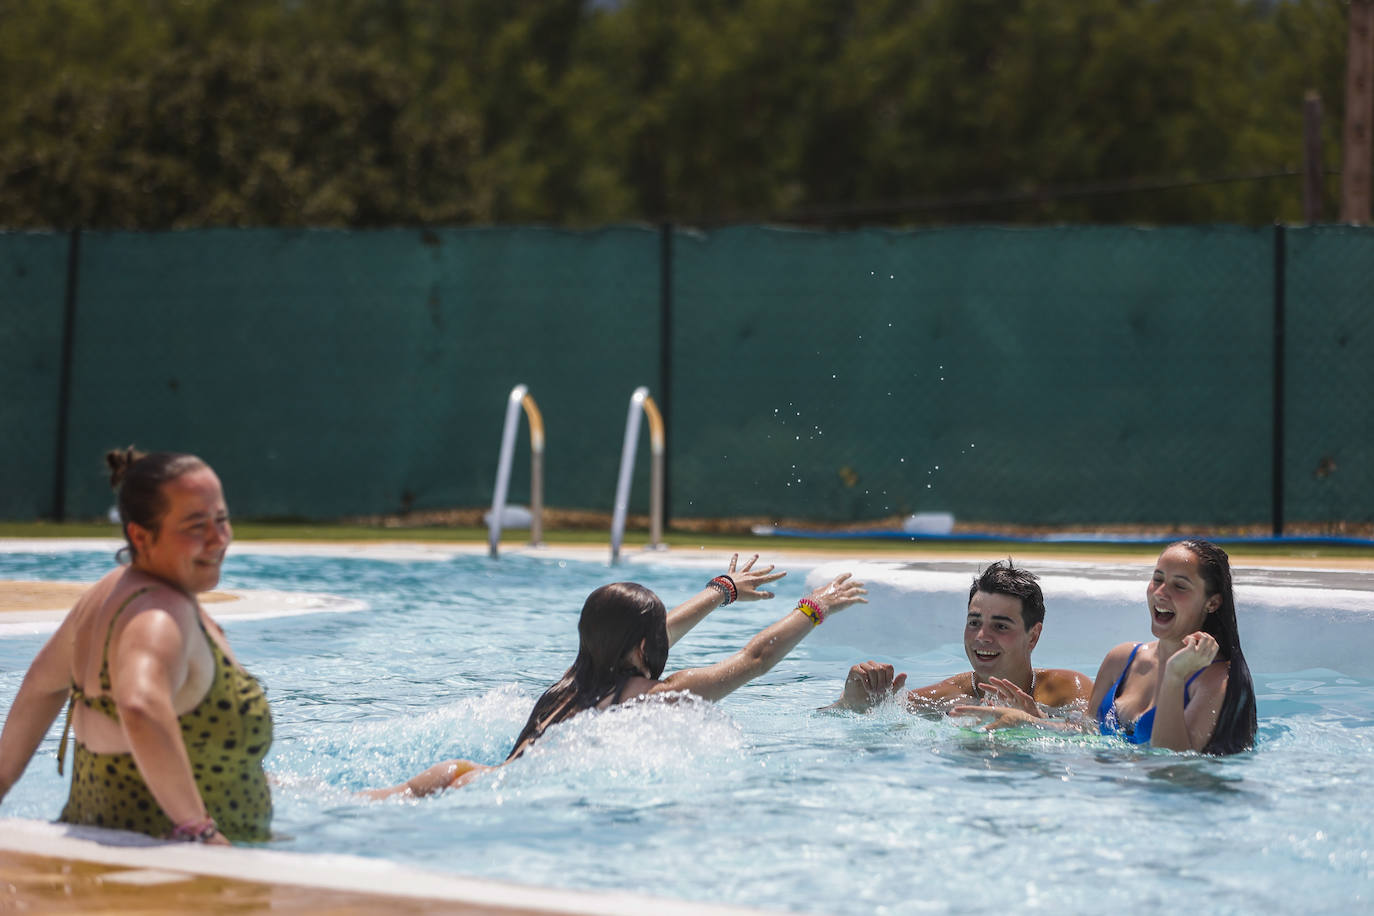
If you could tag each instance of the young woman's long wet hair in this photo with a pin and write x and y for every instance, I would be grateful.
(615, 619)
(1237, 723)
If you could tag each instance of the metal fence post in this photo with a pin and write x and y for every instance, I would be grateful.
(1280, 255)
(64, 390)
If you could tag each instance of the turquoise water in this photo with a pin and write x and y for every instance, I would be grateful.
(758, 800)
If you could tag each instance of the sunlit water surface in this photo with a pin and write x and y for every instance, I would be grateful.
(758, 800)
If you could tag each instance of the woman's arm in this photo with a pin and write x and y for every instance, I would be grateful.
(1177, 728)
(767, 648)
(40, 699)
(746, 583)
(149, 666)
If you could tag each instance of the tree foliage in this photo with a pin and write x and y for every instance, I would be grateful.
(162, 113)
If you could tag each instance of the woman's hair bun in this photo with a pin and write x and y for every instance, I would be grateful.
(119, 461)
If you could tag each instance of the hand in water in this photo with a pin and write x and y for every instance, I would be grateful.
(869, 683)
(997, 716)
(998, 691)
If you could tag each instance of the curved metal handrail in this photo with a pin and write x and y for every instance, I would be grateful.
(519, 397)
(640, 401)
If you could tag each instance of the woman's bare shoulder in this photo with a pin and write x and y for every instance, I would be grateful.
(1114, 662)
(639, 687)
(148, 605)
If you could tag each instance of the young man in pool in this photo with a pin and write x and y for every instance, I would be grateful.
(1006, 612)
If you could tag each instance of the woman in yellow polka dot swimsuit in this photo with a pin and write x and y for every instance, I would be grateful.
(170, 731)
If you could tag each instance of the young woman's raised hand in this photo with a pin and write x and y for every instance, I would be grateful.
(840, 592)
(1198, 651)
(747, 579)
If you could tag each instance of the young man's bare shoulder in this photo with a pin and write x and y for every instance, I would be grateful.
(955, 687)
(1061, 686)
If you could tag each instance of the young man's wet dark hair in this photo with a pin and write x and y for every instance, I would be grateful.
(1005, 579)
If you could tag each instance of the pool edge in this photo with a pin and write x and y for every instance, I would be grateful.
(369, 878)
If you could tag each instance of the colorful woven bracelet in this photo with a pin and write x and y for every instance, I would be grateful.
(811, 609)
(194, 831)
(726, 586)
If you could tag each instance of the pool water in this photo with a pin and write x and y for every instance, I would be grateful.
(760, 799)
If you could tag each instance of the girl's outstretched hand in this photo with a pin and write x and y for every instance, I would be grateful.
(747, 579)
(840, 592)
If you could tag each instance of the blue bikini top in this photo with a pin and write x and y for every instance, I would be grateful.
(1139, 731)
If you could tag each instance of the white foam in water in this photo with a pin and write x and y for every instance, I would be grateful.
(657, 739)
(761, 800)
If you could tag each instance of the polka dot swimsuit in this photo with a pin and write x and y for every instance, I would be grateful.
(226, 735)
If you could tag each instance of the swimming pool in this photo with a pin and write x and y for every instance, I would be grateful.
(760, 800)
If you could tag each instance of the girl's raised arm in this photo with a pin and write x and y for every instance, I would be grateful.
(720, 591)
(769, 647)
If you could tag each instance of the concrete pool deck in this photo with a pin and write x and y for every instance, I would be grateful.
(57, 868)
(65, 869)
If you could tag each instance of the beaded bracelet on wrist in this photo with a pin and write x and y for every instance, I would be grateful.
(726, 586)
(812, 609)
(194, 831)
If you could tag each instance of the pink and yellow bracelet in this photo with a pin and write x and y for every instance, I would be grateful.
(811, 608)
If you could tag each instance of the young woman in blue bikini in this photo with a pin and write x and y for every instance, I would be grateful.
(1190, 689)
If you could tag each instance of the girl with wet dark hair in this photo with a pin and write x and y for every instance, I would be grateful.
(624, 634)
(1190, 689)
(1236, 722)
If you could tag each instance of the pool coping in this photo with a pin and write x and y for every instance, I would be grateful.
(144, 860)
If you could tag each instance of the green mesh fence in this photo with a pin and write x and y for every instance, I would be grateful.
(33, 282)
(331, 373)
(1063, 376)
(1329, 411)
(1022, 376)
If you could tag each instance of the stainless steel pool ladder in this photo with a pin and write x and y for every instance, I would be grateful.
(519, 397)
(640, 401)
